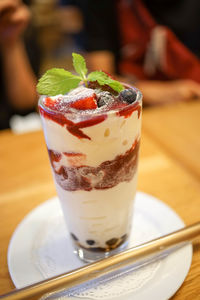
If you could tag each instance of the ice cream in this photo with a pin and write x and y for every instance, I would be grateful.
(93, 135)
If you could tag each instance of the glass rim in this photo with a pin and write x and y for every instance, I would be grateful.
(92, 112)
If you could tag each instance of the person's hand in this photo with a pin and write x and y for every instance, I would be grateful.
(14, 17)
(162, 92)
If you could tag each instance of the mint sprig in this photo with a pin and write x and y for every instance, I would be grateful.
(59, 81)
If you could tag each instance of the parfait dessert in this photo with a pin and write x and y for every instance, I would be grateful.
(92, 132)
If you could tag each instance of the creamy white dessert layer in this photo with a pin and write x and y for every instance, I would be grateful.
(113, 136)
(99, 215)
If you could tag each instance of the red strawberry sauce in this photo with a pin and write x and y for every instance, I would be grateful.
(107, 175)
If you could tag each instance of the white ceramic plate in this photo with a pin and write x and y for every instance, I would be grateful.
(40, 248)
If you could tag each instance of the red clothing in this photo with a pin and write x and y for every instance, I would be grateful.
(152, 51)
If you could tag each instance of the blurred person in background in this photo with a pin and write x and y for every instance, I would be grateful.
(154, 44)
(19, 61)
(71, 23)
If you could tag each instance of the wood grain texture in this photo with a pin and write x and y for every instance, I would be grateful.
(177, 129)
(166, 171)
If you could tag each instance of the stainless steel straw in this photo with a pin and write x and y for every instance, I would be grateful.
(138, 254)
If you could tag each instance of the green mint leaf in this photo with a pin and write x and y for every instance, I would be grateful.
(79, 65)
(57, 81)
(98, 76)
(102, 78)
(115, 85)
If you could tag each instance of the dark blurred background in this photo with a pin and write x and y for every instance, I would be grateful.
(59, 26)
(153, 45)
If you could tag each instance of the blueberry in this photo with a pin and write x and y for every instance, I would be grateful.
(101, 102)
(104, 99)
(128, 95)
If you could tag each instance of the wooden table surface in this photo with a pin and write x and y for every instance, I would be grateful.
(169, 169)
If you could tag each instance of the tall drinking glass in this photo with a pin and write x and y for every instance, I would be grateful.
(94, 159)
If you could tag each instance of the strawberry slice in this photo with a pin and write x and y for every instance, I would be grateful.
(85, 103)
(49, 102)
